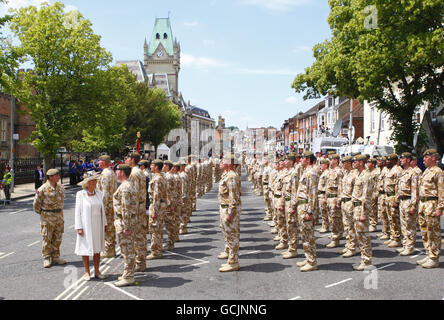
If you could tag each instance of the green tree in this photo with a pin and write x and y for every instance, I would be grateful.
(65, 82)
(8, 59)
(151, 115)
(387, 52)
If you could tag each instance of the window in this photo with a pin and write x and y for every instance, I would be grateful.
(165, 36)
(372, 119)
(381, 125)
(157, 36)
(330, 101)
(4, 129)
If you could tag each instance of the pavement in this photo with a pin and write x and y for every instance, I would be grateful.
(190, 271)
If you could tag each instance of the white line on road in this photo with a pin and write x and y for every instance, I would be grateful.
(195, 264)
(335, 284)
(204, 229)
(388, 265)
(80, 293)
(188, 257)
(6, 255)
(19, 211)
(123, 291)
(252, 252)
(76, 289)
(31, 244)
(295, 298)
(420, 253)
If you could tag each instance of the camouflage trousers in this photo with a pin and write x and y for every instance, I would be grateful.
(200, 188)
(231, 231)
(268, 206)
(259, 188)
(362, 234)
(326, 223)
(110, 234)
(171, 224)
(273, 211)
(52, 226)
(292, 227)
(349, 225)
(193, 197)
(280, 219)
(140, 239)
(382, 214)
(393, 216)
(408, 224)
(307, 234)
(128, 250)
(156, 230)
(335, 216)
(184, 213)
(430, 228)
(373, 212)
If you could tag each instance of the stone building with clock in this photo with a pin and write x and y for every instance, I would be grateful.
(160, 69)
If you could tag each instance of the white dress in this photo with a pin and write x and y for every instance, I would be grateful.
(96, 223)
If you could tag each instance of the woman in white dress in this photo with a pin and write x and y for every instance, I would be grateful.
(90, 223)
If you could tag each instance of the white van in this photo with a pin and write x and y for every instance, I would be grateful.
(378, 151)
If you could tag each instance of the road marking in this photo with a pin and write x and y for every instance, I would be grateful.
(295, 298)
(335, 284)
(6, 255)
(204, 229)
(123, 291)
(388, 265)
(195, 264)
(18, 211)
(81, 292)
(76, 289)
(188, 257)
(31, 244)
(252, 252)
(420, 253)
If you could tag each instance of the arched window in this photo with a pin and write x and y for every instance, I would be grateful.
(165, 36)
(157, 36)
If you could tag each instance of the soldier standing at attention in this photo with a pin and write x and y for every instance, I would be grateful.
(322, 196)
(107, 184)
(390, 182)
(345, 192)
(361, 197)
(382, 205)
(191, 171)
(229, 199)
(184, 210)
(334, 178)
(373, 212)
(266, 191)
(48, 203)
(431, 207)
(279, 200)
(159, 198)
(144, 165)
(138, 181)
(126, 220)
(170, 212)
(407, 197)
(177, 201)
(306, 204)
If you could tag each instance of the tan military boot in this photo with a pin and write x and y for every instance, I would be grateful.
(168, 246)
(372, 229)
(223, 255)
(422, 261)
(322, 230)
(309, 267)
(47, 263)
(290, 254)
(387, 241)
(384, 237)
(394, 244)
(301, 263)
(154, 256)
(343, 250)
(362, 266)
(124, 282)
(348, 254)
(333, 244)
(267, 219)
(274, 231)
(140, 269)
(272, 224)
(399, 250)
(110, 254)
(430, 264)
(277, 238)
(281, 246)
(407, 252)
(229, 267)
(57, 260)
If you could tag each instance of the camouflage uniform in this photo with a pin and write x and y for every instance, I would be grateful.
(184, 211)
(290, 193)
(382, 204)
(279, 203)
(107, 184)
(306, 204)
(159, 197)
(266, 192)
(334, 178)
(431, 193)
(126, 219)
(190, 170)
(138, 181)
(229, 199)
(171, 215)
(361, 197)
(322, 198)
(390, 181)
(373, 212)
(345, 192)
(48, 203)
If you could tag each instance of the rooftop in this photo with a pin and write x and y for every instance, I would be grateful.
(162, 34)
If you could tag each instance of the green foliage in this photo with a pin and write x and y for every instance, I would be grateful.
(151, 115)
(8, 59)
(398, 66)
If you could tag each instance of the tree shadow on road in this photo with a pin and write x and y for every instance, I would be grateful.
(336, 266)
(252, 231)
(262, 247)
(264, 267)
(172, 268)
(258, 255)
(164, 282)
(384, 253)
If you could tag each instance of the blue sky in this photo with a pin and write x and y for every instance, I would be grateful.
(239, 57)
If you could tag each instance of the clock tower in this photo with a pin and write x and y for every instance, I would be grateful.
(162, 58)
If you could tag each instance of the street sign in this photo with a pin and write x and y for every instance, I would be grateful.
(16, 136)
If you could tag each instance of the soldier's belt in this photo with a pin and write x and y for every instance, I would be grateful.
(405, 197)
(265, 183)
(53, 211)
(346, 199)
(429, 199)
(277, 195)
(287, 198)
(321, 192)
(302, 202)
(381, 192)
(119, 216)
(332, 195)
(357, 203)
(390, 194)
(224, 206)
